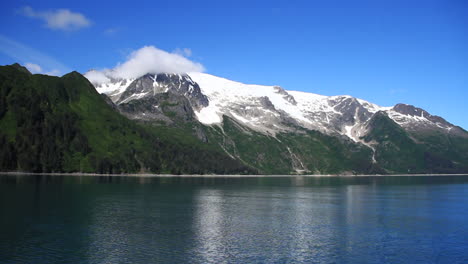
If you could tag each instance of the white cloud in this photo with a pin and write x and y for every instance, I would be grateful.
(148, 59)
(33, 68)
(96, 77)
(36, 68)
(61, 19)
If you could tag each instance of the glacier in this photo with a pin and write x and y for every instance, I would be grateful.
(269, 109)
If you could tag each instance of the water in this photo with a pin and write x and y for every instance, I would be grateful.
(74, 219)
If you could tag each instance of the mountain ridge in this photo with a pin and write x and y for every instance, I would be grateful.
(261, 107)
(271, 112)
(63, 124)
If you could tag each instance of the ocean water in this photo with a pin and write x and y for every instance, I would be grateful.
(85, 219)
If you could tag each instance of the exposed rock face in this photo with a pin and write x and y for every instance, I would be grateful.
(269, 127)
(138, 89)
(150, 85)
(266, 109)
(351, 110)
(416, 119)
(156, 97)
(285, 94)
(410, 110)
(350, 113)
(168, 107)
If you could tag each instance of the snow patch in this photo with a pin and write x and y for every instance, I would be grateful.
(114, 88)
(348, 132)
(209, 115)
(134, 97)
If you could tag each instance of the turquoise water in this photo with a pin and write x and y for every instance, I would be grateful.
(83, 219)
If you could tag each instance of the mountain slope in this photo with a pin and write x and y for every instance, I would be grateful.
(51, 124)
(271, 109)
(297, 153)
(280, 131)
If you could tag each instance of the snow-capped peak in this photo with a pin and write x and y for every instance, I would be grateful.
(271, 108)
(266, 109)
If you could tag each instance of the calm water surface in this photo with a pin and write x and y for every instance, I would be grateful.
(83, 219)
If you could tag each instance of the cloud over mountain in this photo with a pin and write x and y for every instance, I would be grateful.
(36, 68)
(33, 68)
(148, 59)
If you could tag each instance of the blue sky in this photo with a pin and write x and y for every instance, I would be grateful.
(386, 52)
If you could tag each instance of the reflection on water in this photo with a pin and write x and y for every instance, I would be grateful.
(209, 225)
(82, 219)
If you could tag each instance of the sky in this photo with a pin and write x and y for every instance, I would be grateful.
(385, 52)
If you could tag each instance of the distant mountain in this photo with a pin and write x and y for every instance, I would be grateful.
(355, 136)
(52, 124)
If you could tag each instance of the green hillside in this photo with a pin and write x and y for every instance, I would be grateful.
(300, 152)
(52, 124)
(399, 151)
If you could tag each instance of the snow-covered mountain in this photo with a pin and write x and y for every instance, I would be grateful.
(283, 131)
(199, 123)
(270, 109)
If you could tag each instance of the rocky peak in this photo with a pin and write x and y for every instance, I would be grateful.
(263, 108)
(410, 110)
(182, 84)
(139, 88)
(352, 111)
(150, 85)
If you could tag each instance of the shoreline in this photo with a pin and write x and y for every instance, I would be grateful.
(149, 175)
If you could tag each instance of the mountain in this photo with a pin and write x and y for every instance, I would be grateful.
(197, 123)
(52, 124)
(279, 131)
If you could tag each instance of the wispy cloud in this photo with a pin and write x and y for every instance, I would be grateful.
(148, 59)
(39, 62)
(33, 68)
(58, 19)
(36, 68)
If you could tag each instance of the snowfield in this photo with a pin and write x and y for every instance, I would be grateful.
(271, 109)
